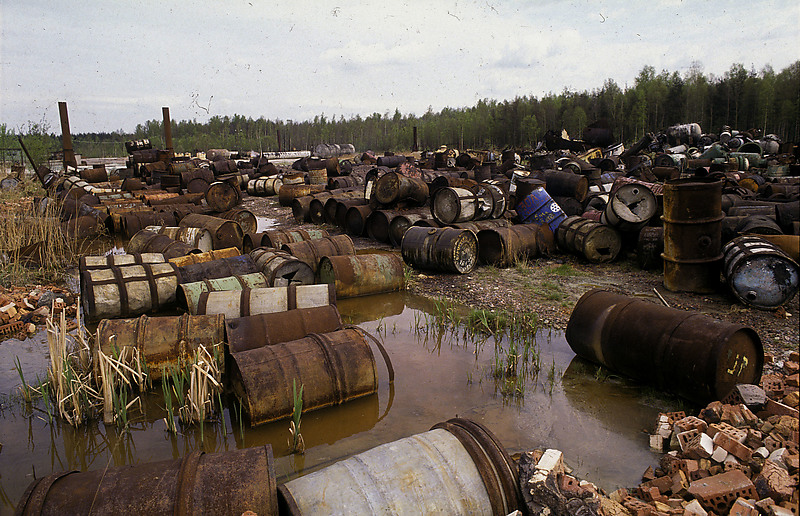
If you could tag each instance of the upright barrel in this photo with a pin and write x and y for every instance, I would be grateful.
(362, 274)
(692, 235)
(442, 249)
(255, 331)
(458, 467)
(688, 353)
(759, 273)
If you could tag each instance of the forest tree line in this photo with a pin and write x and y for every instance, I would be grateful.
(740, 98)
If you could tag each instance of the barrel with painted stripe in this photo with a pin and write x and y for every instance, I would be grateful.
(189, 293)
(255, 331)
(128, 290)
(148, 242)
(226, 233)
(208, 256)
(312, 251)
(539, 208)
(442, 249)
(118, 260)
(264, 186)
(199, 238)
(363, 274)
(264, 300)
(759, 273)
(281, 268)
(234, 266)
(457, 467)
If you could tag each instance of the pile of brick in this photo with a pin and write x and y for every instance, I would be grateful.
(21, 310)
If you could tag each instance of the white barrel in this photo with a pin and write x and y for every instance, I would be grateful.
(118, 260)
(196, 237)
(255, 301)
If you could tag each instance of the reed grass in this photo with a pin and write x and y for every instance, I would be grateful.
(296, 443)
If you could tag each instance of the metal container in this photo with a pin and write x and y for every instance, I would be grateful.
(133, 222)
(221, 268)
(318, 177)
(301, 206)
(335, 183)
(566, 184)
(208, 256)
(332, 367)
(458, 467)
(277, 237)
(692, 235)
(83, 226)
(649, 248)
(223, 195)
(539, 208)
(189, 198)
(688, 353)
(403, 221)
(95, 174)
(264, 186)
(128, 290)
(442, 249)
(378, 224)
(630, 207)
(597, 242)
(316, 208)
(227, 483)
(343, 206)
(198, 238)
(759, 273)
(162, 342)
(452, 205)
(290, 192)
(312, 251)
(148, 242)
(241, 216)
(393, 187)
(188, 294)
(281, 268)
(479, 225)
(505, 246)
(256, 331)
(226, 233)
(363, 274)
(118, 260)
(264, 300)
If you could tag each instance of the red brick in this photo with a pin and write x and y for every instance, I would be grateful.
(733, 446)
(775, 482)
(717, 493)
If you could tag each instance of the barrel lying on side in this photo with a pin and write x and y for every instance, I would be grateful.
(208, 256)
(235, 266)
(245, 218)
(196, 237)
(148, 242)
(118, 260)
(458, 467)
(597, 242)
(277, 237)
(312, 251)
(362, 274)
(255, 331)
(227, 483)
(442, 249)
(281, 268)
(226, 233)
(759, 273)
(264, 300)
(264, 186)
(188, 294)
(505, 246)
(688, 353)
(332, 367)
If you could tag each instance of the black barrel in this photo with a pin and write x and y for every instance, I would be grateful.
(759, 273)
(443, 249)
(222, 268)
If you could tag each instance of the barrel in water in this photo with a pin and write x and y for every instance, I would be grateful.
(208, 256)
(196, 237)
(128, 290)
(264, 300)
(688, 353)
(597, 242)
(362, 274)
(442, 249)
(312, 251)
(458, 467)
(281, 268)
(227, 483)
(163, 342)
(539, 208)
(332, 367)
(692, 235)
(255, 331)
(188, 294)
(759, 273)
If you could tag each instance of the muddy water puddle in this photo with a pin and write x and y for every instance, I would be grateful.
(442, 371)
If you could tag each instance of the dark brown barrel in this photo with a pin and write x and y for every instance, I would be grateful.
(224, 166)
(688, 353)
(479, 225)
(393, 187)
(566, 184)
(223, 195)
(264, 300)
(227, 483)
(403, 221)
(630, 207)
(264, 186)
(75, 208)
(332, 367)
(758, 224)
(598, 243)
(312, 251)
(649, 248)
(692, 235)
(356, 219)
(759, 273)
(252, 241)
(182, 210)
(745, 211)
(189, 198)
(83, 226)
(290, 192)
(378, 224)
(277, 237)
(281, 268)
(235, 266)
(241, 216)
(156, 196)
(443, 249)
(149, 242)
(342, 205)
(118, 260)
(363, 274)
(316, 208)
(132, 184)
(256, 331)
(129, 290)
(134, 222)
(208, 256)
(318, 177)
(342, 182)
(226, 233)
(195, 237)
(163, 342)
(505, 246)
(95, 174)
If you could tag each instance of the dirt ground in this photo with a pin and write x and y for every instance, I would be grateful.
(551, 286)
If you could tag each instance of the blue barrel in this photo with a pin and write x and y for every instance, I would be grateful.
(539, 208)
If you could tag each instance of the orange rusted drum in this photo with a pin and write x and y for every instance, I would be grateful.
(226, 233)
(208, 256)
(281, 268)
(442, 249)
(255, 331)
(312, 251)
(505, 246)
(597, 242)
(363, 274)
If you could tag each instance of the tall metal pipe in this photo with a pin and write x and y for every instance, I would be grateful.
(66, 137)
(168, 132)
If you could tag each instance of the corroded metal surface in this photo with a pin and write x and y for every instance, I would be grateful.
(264, 300)
(196, 237)
(759, 273)
(103, 262)
(256, 331)
(443, 249)
(630, 207)
(226, 233)
(277, 237)
(289, 192)
(393, 187)
(505, 246)
(146, 241)
(223, 195)
(264, 186)
(221, 268)
(649, 247)
(404, 220)
(188, 294)
(688, 353)
(243, 217)
(597, 242)
(355, 221)
(136, 221)
(363, 274)
(312, 251)
(281, 268)
(208, 256)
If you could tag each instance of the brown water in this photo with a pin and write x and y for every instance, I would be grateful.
(599, 422)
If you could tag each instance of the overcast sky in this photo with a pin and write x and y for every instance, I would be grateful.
(116, 63)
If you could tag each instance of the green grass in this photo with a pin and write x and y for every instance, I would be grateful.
(566, 270)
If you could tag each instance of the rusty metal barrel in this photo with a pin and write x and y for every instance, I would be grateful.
(343, 182)
(95, 174)
(759, 273)
(264, 300)
(128, 290)
(505, 246)
(149, 242)
(277, 237)
(649, 248)
(118, 260)
(281, 268)
(331, 204)
(452, 205)
(226, 483)
(403, 221)
(208, 256)
(565, 183)
(162, 342)
(256, 331)
(457, 467)
(630, 207)
(290, 192)
(134, 222)
(196, 237)
(363, 274)
(264, 186)
(188, 294)
(223, 195)
(340, 208)
(333, 368)
(442, 249)
(378, 222)
(221, 268)
(355, 221)
(393, 187)
(692, 235)
(226, 233)
(597, 242)
(316, 208)
(688, 353)
(243, 217)
(318, 177)
(312, 251)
